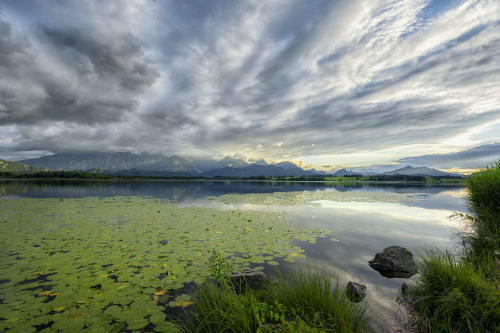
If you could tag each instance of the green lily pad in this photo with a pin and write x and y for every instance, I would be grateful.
(89, 262)
(157, 318)
(136, 324)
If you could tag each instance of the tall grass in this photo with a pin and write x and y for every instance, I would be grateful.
(451, 295)
(462, 293)
(303, 302)
(319, 299)
(218, 308)
(483, 201)
(484, 191)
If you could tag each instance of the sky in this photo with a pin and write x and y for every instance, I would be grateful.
(322, 83)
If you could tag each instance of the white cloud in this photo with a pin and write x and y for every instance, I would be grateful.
(337, 83)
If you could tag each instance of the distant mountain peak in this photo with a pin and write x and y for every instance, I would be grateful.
(231, 162)
(287, 165)
(342, 172)
(417, 171)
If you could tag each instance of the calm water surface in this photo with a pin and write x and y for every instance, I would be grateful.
(361, 228)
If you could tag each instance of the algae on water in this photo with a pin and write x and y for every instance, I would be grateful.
(109, 264)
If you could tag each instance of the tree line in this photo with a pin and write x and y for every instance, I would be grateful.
(62, 174)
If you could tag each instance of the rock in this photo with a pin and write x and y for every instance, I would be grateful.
(355, 291)
(404, 288)
(394, 261)
(248, 279)
(405, 297)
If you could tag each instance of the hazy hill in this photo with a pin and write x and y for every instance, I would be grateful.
(249, 171)
(149, 173)
(257, 170)
(231, 162)
(418, 171)
(288, 166)
(84, 161)
(205, 165)
(316, 172)
(172, 164)
(342, 172)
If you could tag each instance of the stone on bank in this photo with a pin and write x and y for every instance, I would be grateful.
(394, 262)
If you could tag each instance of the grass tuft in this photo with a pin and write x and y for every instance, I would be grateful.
(303, 302)
(452, 296)
(318, 299)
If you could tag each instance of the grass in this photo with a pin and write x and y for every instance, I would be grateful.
(451, 295)
(461, 293)
(319, 300)
(483, 201)
(484, 191)
(303, 302)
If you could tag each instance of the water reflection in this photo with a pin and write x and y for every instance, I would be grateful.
(22, 188)
(365, 228)
(362, 228)
(189, 190)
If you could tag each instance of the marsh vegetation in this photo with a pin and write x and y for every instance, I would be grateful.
(304, 301)
(461, 292)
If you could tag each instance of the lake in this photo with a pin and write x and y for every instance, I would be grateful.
(337, 227)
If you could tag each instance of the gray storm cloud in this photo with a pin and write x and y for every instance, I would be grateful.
(205, 77)
(471, 158)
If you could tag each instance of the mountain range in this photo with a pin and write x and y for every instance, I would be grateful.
(418, 171)
(145, 164)
(158, 165)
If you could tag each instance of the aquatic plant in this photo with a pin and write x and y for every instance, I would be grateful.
(297, 198)
(115, 263)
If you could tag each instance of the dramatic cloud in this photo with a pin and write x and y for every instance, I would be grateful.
(317, 81)
(472, 158)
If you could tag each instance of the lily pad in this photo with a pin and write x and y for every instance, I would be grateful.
(311, 198)
(86, 263)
